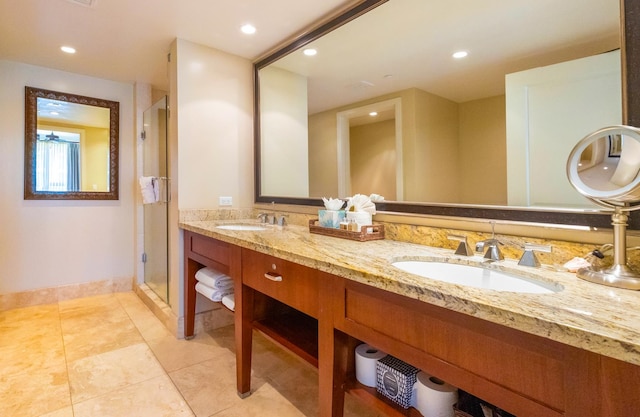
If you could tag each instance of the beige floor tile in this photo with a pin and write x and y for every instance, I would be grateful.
(176, 354)
(99, 374)
(31, 355)
(209, 386)
(85, 305)
(63, 412)
(34, 393)
(19, 316)
(98, 309)
(156, 397)
(264, 401)
(27, 344)
(101, 336)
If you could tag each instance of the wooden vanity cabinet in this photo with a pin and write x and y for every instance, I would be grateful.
(322, 318)
(521, 373)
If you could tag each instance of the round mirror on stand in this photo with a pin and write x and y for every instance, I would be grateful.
(605, 168)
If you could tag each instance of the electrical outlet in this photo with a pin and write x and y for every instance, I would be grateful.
(226, 201)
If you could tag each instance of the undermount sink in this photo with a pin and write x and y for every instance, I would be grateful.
(245, 227)
(476, 276)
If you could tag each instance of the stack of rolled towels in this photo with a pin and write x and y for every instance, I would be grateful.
(216, 286)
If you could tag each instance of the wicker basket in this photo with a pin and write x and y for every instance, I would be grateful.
(373, 232)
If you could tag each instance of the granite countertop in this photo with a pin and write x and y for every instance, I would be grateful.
(590, 316)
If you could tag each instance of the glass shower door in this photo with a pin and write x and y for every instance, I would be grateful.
(154, 151)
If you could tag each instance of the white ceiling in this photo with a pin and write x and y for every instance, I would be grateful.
(408, 43)
(128, 40)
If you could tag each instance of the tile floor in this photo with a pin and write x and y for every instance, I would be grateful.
(108, 355)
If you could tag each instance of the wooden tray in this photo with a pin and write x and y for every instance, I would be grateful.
(373, 232)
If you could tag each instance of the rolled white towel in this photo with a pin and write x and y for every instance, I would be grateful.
(149, 189)
(214, 279)
(212, 294)
(229, 301)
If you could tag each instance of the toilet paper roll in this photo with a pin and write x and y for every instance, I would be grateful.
(433, 397)
(366, 360)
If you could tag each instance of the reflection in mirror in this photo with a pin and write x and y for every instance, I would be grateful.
(70, 146)
(464, 133)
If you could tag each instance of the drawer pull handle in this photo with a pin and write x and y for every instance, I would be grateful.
(273, 276)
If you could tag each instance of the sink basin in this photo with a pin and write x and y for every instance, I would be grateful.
(476, 276)
(245, 227)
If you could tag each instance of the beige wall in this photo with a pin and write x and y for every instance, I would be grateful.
(46, 244)
(323, 155)
(483, 151)
(210, 139)
(434, 156)
(373, 158)
(429, 140)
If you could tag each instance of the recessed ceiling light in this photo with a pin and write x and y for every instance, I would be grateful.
(68, 49)
(460, 54)
(373, 114)
(310, 52)
(248, 29)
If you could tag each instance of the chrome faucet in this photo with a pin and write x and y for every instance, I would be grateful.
(493, 249)
(492, 246)
(263, 217)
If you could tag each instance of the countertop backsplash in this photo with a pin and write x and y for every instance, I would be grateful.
(404, 231)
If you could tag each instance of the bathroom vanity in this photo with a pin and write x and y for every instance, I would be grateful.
(571, 353)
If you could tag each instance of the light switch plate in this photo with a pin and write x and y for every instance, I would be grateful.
(226, 201)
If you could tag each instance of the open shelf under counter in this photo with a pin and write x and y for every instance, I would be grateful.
(295, 331)
(376, 401)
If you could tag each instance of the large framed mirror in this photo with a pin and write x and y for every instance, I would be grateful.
(71, 146)
(394, 57)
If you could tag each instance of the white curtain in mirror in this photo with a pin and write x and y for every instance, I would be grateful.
(57, 164)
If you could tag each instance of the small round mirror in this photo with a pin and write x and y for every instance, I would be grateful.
(605, 167)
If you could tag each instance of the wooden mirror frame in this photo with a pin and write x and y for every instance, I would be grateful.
(630, 48)
(30, 136)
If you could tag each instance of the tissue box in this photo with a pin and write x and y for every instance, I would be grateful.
(395, 379)
(330, 218)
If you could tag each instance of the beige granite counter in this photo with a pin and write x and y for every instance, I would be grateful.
(593, 317)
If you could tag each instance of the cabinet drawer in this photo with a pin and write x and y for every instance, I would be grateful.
(287, 282)
(207, 248)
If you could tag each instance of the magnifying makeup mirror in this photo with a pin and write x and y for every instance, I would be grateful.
(605, 168)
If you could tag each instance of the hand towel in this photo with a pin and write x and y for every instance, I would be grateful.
(150, 190)
(212, 294)
(229, 302)
(214, 279)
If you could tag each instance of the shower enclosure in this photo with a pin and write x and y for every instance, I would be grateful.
(155, 256)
